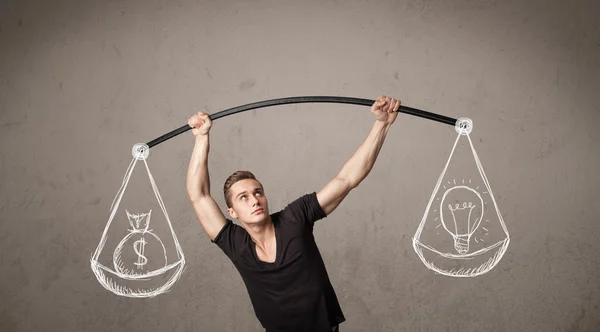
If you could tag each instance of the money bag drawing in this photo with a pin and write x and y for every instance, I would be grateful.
(139, 244)
(137, 240)
(462, 233)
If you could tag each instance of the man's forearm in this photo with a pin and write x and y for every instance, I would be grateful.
(198, 181)
(362, 161)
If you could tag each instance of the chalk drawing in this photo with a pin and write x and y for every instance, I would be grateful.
(462, 233)
(137, 241)
(137, 273)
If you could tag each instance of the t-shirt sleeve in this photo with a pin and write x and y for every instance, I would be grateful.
(305, 210)
(232, 239)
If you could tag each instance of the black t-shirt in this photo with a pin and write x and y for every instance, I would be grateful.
(294, 292)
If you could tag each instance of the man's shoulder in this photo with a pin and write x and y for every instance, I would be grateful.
(230, 231)
(233, 239)
(304, 207)
(298, 202)
(309, 198)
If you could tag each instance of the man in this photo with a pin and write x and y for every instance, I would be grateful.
(276, 254)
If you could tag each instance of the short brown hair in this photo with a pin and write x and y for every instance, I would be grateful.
(233, 178)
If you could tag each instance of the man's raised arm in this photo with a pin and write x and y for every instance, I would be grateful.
(360, 164)
(198, 181)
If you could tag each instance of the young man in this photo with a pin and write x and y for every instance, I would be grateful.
(276, 254)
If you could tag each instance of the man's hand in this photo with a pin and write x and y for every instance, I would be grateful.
(385, 109)
(201, 124)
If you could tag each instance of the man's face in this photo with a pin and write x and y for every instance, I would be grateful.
(246, 197)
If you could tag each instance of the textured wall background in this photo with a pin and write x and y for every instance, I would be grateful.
(82, 81)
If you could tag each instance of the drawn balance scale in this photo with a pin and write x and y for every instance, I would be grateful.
(135, 272)
(463, 236)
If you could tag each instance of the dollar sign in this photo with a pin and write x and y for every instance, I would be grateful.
(138, 247)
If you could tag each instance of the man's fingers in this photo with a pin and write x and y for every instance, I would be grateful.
(194, 122)
(390, 105)
(393, 106)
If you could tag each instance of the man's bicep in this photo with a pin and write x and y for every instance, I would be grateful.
(333, 194)
(210, 215)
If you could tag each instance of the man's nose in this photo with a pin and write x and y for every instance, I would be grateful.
(254, 201)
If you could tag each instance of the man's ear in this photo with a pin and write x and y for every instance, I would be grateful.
(232, 213)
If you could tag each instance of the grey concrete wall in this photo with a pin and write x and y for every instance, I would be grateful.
(82, 81)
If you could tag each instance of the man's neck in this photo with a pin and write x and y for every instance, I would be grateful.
(262, 234)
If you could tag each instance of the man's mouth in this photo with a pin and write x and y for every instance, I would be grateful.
(257, 211)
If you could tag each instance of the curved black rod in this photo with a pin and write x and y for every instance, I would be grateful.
(298, 100)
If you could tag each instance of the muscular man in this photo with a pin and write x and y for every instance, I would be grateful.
(276, 254)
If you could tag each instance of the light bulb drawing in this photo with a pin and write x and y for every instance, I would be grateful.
(466, 217)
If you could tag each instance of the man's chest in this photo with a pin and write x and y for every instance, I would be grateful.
(291, 247)
(293, 268)
(267, 254)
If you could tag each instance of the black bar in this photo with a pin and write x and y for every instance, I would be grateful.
(299, 100)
